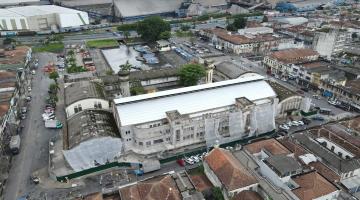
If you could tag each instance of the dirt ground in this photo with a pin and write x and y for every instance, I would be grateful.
(201, 182)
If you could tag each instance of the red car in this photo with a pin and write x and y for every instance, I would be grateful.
(181, 162)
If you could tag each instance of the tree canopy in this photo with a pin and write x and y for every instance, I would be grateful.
(151, 28)
(190, 74)
(54, 76)
(239, 23)
(125, 67)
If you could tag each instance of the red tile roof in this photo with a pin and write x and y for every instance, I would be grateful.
(4, 107)
(325, 171)
(158, 188)
(247, 195)
(240, 39)
(270, 145)
(95, 196)
(228, 169)
(312, 185)
(292, 55)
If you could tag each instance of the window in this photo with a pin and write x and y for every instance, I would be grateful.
(177, 135)
(140, 143)
(148, 143)
(158, 141)
(127, 132)
(79, 107)
(168, 139)
(76, 110)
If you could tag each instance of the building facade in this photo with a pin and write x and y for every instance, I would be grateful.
(199, 116)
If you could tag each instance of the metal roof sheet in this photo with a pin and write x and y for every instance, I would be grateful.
(150, 107)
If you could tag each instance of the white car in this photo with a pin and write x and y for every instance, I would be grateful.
(33, 72)
(289, 124)
(284, 127)
(195, 159)
(189, 161)
(301, 123)
(295, 123)
(29, 89)
(333, 102)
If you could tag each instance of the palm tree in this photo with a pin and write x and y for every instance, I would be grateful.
(125, 67)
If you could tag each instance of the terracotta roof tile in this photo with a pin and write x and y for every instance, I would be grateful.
(312, 185)
(247, 195)
(240, 39)
(325, 171)
(158, 188)
(228, 169)
(4, 107)
(293, 55)
(270, 145)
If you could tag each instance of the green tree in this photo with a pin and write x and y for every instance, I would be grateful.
(137, 88)
(53, 87)
(239, 22)
(185, 27)
(125, 67)
(151, 28)
(9, 41)
(217, 194)
(265, 19)
(54, 76)
(165, 35)
(190, 74)
(126, 34)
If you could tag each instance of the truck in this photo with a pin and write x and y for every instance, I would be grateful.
(15, 144)
(147, 166)
(53, 124)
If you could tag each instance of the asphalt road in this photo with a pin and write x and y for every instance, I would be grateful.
(34, 139)
(67, 38)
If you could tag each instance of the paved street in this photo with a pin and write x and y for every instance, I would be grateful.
(34, 138)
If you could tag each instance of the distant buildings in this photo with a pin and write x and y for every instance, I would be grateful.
(167, 122)
(41, 18)
(330, 43)
(14, 69)
(249, 41)
(283, 62)
(135, 9)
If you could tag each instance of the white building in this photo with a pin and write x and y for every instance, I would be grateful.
(17, 2)
(255, 31)
(84, 95)
(196, 116)
(333, 42)
(41, 18)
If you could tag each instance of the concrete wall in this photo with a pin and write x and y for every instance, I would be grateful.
(86, 104)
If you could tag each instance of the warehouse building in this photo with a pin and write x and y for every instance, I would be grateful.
(41, 18)
(138, 9)
(4, 3)
(167, 122)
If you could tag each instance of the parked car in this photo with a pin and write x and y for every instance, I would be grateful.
(295, 123)
(23, 116)
(304, 89)
(28, 98)
(301, 123)
(29, 89)
(318, 118)
(195, 159)
(333, 102)
(300, 91)
(284, 127)
(181, 162)
(306, 121)
(289, 124)
(189, 161)
(315, 96)
(23, 110)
